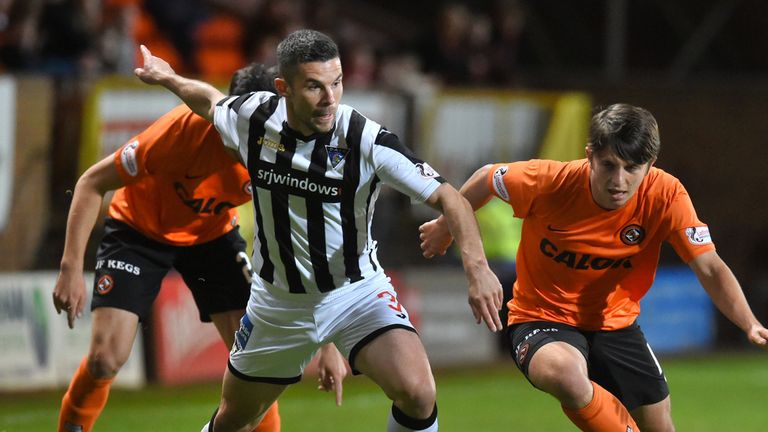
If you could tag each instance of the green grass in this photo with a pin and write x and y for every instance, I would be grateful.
(726, 392)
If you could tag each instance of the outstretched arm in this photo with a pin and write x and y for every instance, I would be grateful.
(485, 293)
(69, 292)
(721, 285)
(201, 97)
(435, 235)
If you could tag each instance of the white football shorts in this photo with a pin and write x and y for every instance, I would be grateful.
(280, 331)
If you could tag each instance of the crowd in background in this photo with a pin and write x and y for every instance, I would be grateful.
(465, 43)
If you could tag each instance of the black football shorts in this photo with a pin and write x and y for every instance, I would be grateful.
(621, 361)
(130, 268)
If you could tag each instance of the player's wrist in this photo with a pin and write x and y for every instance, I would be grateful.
(70, 264)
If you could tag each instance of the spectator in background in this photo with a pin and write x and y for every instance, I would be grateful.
(508, 22)
(447, 51)
(54, 37)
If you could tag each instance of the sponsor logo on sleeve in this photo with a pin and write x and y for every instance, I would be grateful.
(498, 183)
(698, 235)
(128, 158)
(426, 171)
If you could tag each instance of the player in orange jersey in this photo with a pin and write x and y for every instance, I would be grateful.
(177, 190)
(592, 232)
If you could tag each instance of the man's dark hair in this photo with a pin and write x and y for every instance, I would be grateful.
(630, 131)
(304, 46)
(251, 78)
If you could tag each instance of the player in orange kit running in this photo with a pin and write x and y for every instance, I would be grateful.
(175, 206)
(592, 232)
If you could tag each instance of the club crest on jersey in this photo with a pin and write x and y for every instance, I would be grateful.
(128, 158)
(105, 284)
(698, 235)
(336, 155)
(498, 183)
(632, 234)
(426, 171)
(247, 188)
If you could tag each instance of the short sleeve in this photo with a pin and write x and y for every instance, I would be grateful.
(516, 183)
(398, 167)
(225, 120)
(688, 235)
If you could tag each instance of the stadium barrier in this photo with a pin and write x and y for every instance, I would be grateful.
(38, 350)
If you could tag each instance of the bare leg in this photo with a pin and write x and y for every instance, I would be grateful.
(244, 403)
(397, 362)
(655, 417)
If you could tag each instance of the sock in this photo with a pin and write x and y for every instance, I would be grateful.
(84, 400)
(603, 413)
(402, 422)
(271, 420)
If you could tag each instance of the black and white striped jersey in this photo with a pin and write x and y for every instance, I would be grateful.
(314, 196)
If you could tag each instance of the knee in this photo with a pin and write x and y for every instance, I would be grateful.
(416, 396)
(564, 379)
(104, 364)
(228, 418)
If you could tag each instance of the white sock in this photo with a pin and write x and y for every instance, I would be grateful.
(401, 422)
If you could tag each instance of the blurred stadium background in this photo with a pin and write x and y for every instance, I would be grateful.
(464, 83)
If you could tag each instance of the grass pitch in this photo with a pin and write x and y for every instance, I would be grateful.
(725, 392)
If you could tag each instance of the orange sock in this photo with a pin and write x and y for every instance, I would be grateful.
(271, 420)
(604, 413)
(83, 401)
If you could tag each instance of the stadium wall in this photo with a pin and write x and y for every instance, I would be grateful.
(39, 350)
(25, 148)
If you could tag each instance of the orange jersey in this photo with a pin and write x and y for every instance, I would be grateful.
(579, 264)
(181, 185)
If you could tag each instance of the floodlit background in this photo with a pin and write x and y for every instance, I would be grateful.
(463, 84)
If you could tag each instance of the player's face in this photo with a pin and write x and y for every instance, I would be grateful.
(614, 181)
(312, 96)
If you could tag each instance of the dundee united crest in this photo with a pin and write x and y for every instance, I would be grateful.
(105, 284)
(632, 234)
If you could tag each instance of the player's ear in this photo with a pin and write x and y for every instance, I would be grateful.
(281, 86)
(588, 152)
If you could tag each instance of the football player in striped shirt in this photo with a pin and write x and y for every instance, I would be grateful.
(592, 233)
(317, 166)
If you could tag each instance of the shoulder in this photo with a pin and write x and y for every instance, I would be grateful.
(357, 128)
(553, 174)
(349, 119)
(247, 103)
(663, 185)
